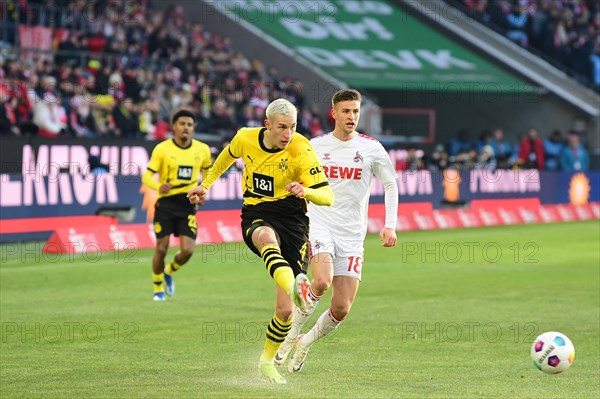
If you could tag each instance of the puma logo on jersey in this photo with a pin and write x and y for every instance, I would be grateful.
(342, 172)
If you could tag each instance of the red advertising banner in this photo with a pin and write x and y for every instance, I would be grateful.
(75, 237)
(224, 226)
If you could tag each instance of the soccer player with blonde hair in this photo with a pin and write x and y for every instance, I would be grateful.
(282, 173)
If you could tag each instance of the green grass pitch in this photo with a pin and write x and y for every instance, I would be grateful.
(445, 314)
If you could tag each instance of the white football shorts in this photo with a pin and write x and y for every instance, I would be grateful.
(347, 255)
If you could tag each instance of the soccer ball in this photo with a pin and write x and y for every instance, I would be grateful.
(552, 352)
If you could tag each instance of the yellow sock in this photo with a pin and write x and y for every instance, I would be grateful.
(278, 267)
(284, 276)
(158, 282)
(172, 267)
(276, 333)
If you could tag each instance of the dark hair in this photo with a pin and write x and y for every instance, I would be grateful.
(345, 95)
(183, 113)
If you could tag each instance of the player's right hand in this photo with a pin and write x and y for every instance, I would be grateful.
(196, 194)
(296, 189)
(165, 188)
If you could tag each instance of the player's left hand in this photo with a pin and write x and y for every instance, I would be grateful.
(201, 201)
(296, 188)
(388, 236)
(197, 193)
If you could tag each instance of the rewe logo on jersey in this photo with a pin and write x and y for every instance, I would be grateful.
(342, 172)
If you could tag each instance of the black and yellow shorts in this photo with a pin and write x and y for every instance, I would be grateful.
(291, 229)
(175, 215)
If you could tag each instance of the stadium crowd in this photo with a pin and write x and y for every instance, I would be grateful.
(119, 72)
(567, 31)
(121, 68)
(491, 150)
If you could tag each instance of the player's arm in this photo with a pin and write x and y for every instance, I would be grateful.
(314, 187)
(204, 169)
(223, 162)
(153, 167)
(386, 173)
(148, 179)
(319, 194)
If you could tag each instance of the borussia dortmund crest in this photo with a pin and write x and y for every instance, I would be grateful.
(283, 166)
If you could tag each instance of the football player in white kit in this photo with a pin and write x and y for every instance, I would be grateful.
(350, 160)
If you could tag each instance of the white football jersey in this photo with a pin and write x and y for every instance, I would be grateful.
(349, 167)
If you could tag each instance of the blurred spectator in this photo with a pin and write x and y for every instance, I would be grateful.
(50, 116)
(461, 151)
(249, 117)
(81, 120)
(553, 146)
(540, 31)
(460, 144)
(148, 117)
(502, 149)
(484, 139)
(102, 114)
(531, 151)
(438, 161)
(574, 157)
(413, 161)
(516, 24)
(8, 119)
(221, 119)
(486, 159)
(127, 123)
(310, 123)
(68, 49)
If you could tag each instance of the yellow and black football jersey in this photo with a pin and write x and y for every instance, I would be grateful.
(179, 166)
(268, 171)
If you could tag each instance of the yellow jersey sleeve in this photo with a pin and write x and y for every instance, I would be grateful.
(314, 180)
(311, 172)
(236, 145)
(207, 159)
(222, 163)
(156, 159)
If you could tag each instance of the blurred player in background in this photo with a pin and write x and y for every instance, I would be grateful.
(337, 234)
(178, 162)
(282, 172)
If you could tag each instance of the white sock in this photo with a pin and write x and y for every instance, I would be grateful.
(324, 326)
(300, 318)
